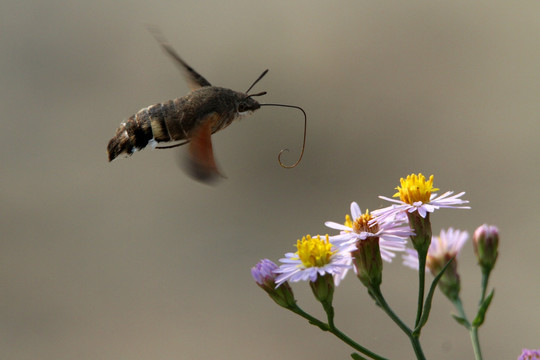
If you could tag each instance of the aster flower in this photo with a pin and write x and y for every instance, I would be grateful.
(263, 272)
(415, 194)
(391, 234)
(527, 354)
(441, 250)
(315, 257)
(443, 247)
(264, 275)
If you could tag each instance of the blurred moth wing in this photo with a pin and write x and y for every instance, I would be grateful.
(201, 162)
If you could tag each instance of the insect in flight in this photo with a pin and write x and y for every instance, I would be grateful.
(190, 119)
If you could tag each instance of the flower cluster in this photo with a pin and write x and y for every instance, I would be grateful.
(367, 239)
(389, 227)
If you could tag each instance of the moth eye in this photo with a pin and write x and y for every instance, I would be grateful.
(242, 107)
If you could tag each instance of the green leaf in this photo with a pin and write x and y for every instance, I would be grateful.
(356, 356)
(461, 321)
(482, 309)
(429, 298)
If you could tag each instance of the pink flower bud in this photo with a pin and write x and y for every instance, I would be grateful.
(486, 243)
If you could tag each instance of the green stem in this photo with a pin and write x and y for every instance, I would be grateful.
(415, 341)
(485, 278)
(329, 309)
(421, 285)
(325, 327)
(473, 330)
(459, 307)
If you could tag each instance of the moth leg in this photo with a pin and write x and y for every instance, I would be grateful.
(172, 146)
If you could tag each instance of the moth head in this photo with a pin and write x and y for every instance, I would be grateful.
(248, 104)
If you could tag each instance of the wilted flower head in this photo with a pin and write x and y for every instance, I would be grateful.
(314, 257)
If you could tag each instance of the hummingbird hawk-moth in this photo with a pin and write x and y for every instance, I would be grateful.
(190, 119)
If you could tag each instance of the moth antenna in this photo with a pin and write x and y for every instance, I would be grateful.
(256, 81)
(257, 94)
(303, 142)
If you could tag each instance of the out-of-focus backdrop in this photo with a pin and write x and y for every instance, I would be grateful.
(135, 260)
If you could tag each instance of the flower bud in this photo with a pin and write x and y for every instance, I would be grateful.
(486, 243)
(323, 288)
(368, 262)
(264, 276)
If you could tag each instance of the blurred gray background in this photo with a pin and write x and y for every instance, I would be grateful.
(135, 260)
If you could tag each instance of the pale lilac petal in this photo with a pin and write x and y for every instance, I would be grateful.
(421, 210)
(288, 261)
(447, 201)
(390, 213)
(387, 255)
(342, 237)
(410, 259)
(355, 211)
(392, 245)
(337, 226)
(430, 208)
(391, 200)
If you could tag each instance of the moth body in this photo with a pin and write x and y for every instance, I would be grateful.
(179, 119)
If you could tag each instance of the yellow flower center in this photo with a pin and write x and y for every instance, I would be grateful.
(314, 252)
(415, 188)
(361, 224)
(348, 221)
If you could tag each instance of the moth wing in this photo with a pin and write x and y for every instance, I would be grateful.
(201, 163)
(193, 78)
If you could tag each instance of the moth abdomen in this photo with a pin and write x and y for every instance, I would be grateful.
(154, 124)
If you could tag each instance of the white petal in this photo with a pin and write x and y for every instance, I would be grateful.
(355, 211)
(335, 225)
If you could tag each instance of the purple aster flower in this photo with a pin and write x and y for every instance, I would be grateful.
(391, 234)
(415, 194)
(315, 257)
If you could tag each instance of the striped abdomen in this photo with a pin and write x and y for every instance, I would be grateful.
(170, 121)
(177, 119)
